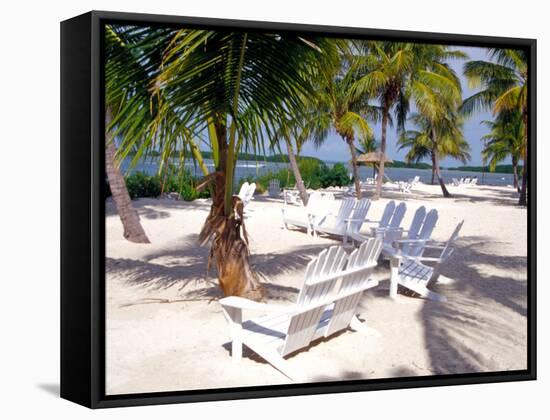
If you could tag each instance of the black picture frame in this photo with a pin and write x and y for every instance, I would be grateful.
(83, 214)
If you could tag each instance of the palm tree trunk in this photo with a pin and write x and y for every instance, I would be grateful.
(380, 179)
(523, 193)
(515, 172)
(433, 169)
(354, 166)
(439, 178)
(229, 246)
(435, 157)
(296, 171)
(133, 231)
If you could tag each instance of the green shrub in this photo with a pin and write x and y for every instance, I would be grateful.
(140, 184)
(337, 176)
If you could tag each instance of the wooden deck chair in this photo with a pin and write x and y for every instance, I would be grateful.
(417, 221)
(243, 191)
(326, 304)
(358, 217)
(274, 189)
(335, 224)
(303, 216)
(411, 272)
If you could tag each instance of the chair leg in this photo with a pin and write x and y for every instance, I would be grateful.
(394, 276)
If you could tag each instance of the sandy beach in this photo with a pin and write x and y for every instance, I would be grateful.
(166, 331)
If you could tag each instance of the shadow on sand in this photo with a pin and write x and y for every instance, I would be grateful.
(452, 328)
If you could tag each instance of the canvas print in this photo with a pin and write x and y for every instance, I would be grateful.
(285, 207)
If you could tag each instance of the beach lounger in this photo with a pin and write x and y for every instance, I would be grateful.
(456, 182)
(327, 304)
(411, 272)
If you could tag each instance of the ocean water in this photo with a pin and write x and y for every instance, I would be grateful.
(253, 168)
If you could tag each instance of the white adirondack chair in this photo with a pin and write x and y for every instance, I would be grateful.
(473, 181)
(335, 224)
(244, 190)
(274, 189)
(317, 206)
(409, 271)
(456, 182)
(405, 187)
(370, 181)
(292, 197)
(326, 304)
(389, 248)
(358, 217)
(246, 193)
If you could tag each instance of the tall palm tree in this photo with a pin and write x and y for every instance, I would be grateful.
(435, 140)
(235, 87)
(396, 73)
(503, 88)
(506, 139)
(340, 106)
(126, 80)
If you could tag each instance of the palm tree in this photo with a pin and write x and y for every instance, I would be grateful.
(506, 139)
(396, 73)
(126, 79)
(435, 141)
(235, 87)
(298, 132)
(340, 105)
(503, 88)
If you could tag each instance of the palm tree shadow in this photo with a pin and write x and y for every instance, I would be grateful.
(457, 332)
(184, 267)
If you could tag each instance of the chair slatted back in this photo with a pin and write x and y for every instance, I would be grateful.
(449, 249)
(359, 215)
(361, 264)
(344, 212)
(320, 281)
(398, 216)
(243, 191)
(416, 223)
(387, 214)
(425, 233)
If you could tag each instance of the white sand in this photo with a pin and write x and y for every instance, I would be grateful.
(166, 332)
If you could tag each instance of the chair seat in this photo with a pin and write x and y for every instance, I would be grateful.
(269, 331)
(411, 273)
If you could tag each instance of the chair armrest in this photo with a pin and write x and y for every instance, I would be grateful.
(242, 303)
(410, 241)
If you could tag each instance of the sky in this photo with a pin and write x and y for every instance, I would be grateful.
(334, 149)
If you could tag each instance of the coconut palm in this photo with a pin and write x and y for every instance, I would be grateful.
(506, 139)
(233, 88)
(126, 80)
(503, 86)
(340, 106)
(396, 73)
(435, 140)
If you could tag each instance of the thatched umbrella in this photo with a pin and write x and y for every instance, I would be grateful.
(373, 158)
